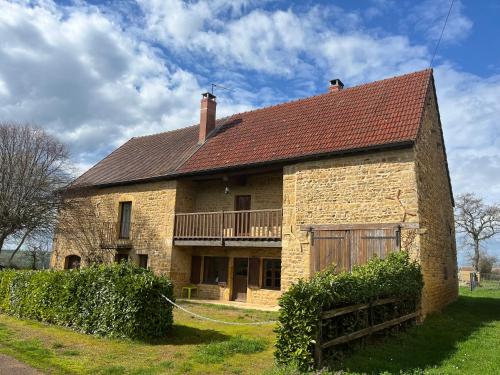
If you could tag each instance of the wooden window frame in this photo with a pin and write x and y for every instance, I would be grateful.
(120, 226)
(141, 257)
(273, 271)
(206, 265)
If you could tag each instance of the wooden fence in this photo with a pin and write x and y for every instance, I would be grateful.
(330, 333)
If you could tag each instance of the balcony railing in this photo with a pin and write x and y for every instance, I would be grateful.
(112, 235)
(229, 225)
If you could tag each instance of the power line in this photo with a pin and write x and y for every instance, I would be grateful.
(221, 87)
(442, 32)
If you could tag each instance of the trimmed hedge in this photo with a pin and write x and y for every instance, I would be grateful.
(396, 276)
(119, 300)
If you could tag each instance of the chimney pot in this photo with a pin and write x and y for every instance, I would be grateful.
(336, 85)
(207, 116)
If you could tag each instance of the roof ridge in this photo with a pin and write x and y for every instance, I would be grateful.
(164, 132)
(362, 85)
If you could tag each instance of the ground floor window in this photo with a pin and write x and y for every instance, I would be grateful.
(143, 261)
(272, 274)
(72, 262)
(121, 258)
(215, 270)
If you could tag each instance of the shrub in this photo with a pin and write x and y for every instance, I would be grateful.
(396, 276)
(118, 300)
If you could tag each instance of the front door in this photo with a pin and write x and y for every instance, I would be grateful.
(242, 220)
(240, 279)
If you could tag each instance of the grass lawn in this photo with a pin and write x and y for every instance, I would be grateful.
(193, 346)
(464, 339)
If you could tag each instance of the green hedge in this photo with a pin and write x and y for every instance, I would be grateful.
(118, 300)
(396, 276)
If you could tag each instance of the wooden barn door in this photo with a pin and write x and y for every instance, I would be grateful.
(369, 243)
(346, 248)
(331, 247)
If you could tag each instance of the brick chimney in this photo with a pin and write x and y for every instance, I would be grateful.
(336, 85)
(207, 116)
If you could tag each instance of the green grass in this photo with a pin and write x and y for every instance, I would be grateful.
(216, 352)
(193, 346)
(464, 339)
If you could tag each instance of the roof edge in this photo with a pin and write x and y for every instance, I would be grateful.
(301, 158)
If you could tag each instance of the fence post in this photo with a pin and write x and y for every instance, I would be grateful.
(318, 351)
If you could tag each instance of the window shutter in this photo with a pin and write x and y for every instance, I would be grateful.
(195, 269)
(253, 272)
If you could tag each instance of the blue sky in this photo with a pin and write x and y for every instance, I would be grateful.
(97, 73)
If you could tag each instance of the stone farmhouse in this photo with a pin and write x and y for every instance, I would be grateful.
(243, 206)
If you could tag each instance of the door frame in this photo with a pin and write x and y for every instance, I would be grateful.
(234, 291)
(242, 219)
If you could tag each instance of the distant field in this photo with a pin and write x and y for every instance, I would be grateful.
(20, 260)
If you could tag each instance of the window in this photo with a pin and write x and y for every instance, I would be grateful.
(72, 262)
(121, 258)
(272, 274)
(143, 261)
(215, 270)
(125, 215)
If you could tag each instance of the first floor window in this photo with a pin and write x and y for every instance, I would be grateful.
(215, 270)
(272, 274)
(125, 216)
(143, 261)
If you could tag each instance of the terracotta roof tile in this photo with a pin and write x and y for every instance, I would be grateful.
(374, 114)
(143, 158)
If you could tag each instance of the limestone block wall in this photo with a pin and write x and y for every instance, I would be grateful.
(266, 191)
(438, 255)
(153, 209)
(370, 188)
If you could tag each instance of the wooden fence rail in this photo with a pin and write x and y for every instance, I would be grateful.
(320, 345)
(248, 224)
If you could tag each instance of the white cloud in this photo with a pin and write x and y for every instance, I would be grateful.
(282, 42)
(429, 17)
(470, 109)
(81, 76)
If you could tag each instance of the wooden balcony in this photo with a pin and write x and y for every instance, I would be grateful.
(111, 236)
(229, 228)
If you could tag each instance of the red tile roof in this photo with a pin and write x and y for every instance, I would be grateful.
(143, 158)
(381, 113)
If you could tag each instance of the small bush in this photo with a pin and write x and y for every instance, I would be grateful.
(396, 276)
(118, 300)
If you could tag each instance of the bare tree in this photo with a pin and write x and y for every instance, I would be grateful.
(38, 254)
(477, 221)
(34, 167)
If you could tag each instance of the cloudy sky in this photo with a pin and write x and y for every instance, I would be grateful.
(99, 72)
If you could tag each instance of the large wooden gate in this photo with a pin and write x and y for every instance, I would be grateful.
(346, 247)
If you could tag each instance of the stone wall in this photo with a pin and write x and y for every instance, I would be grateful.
(153, 209)
(438, 256)
(266, 191)
(359, 189)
